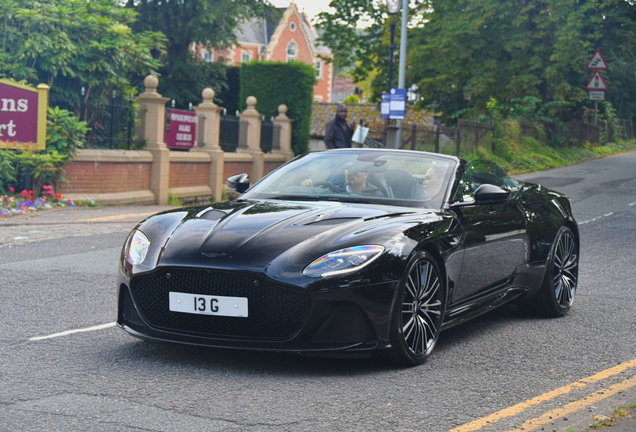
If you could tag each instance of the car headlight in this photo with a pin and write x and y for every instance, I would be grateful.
(137, 247)
(343, 261)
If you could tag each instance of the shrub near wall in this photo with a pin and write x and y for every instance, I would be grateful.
(275, 83)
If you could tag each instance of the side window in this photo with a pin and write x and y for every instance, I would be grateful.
(479, 172)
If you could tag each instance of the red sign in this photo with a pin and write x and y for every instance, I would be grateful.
(22, 115)
(181, 129)
(597, 61)
(596, 83)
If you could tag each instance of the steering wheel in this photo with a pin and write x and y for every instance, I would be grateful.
(327, 185)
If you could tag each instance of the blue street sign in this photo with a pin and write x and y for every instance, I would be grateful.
(397, 105)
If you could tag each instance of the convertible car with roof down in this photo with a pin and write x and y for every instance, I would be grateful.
(351, 251)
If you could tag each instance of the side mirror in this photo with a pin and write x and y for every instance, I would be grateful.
(490, 193)
(239, 183)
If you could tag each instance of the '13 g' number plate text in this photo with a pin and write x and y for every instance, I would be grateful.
(208, 305)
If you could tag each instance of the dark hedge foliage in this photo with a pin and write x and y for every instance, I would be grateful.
(229, 98)
(275, 83)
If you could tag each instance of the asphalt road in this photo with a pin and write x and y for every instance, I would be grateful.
(492, 374)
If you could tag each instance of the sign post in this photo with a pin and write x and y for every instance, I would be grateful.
(597, 85)
(23, 115)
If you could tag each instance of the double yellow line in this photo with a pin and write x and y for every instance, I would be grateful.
(560, 412)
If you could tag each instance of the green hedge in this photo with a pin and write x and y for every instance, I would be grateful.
(275, 83)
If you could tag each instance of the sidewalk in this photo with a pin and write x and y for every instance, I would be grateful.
(72, 222)
(100, 214)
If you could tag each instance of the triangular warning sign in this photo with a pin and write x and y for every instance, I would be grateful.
(597, 83)
(597, 61)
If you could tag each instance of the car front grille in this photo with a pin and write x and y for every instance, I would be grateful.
(275, 312)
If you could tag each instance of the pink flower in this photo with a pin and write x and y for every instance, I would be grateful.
(12, 189)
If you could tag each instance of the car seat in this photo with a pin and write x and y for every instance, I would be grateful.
(401, 183)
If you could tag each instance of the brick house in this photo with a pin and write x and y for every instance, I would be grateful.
(291, 38)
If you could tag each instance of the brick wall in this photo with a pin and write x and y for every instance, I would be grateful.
(271, 166)
(105, 177)
(188, 174)
(233, 168)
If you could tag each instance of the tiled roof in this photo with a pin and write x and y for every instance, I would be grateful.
(253, 30)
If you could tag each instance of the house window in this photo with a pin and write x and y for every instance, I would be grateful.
(207, 55)
(246, 56)
(292, 26)
(318, 67)
(292, 50)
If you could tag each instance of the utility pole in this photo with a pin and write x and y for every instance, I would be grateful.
(402, 69)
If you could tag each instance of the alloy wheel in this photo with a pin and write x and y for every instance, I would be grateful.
(566, 270)
(422, 308)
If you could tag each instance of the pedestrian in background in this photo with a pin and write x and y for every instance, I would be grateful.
(338, 132)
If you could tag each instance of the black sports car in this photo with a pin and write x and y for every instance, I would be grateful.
(350, 251)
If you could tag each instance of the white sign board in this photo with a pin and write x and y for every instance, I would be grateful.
(597, 95)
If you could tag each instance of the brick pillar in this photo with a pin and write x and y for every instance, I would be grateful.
(253, 147)
(209, 133)
(152, 129)
(285, 124)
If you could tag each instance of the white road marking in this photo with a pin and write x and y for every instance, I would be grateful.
(634, 203)
(68, 332)
(596, 218)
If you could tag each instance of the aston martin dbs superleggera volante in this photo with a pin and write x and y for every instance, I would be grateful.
(350, 251)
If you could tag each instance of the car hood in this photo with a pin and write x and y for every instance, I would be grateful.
(263, 235)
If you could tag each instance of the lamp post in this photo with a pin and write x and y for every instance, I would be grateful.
(402, 71)
(393, 7)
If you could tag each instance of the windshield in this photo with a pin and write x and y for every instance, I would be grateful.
(390, 177)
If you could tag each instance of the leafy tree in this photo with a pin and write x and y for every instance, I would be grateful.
(367, 48)
(511, 49)
(209, 22)
(462, 53)
(73, 43)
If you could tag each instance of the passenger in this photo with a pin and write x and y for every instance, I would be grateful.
(432, 183)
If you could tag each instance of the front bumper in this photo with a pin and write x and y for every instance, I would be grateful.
(282, 317)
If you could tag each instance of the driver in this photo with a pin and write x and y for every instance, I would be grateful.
(355, 182)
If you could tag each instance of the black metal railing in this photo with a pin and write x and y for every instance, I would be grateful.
(110, 120)
(267, 136)
(230, 131)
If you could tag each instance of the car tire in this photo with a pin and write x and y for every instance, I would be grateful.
(557, 292)
(418, 312)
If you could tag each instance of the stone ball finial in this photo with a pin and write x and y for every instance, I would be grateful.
(207, 94)
(282, 109)
(251, 102)
(151, 82)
